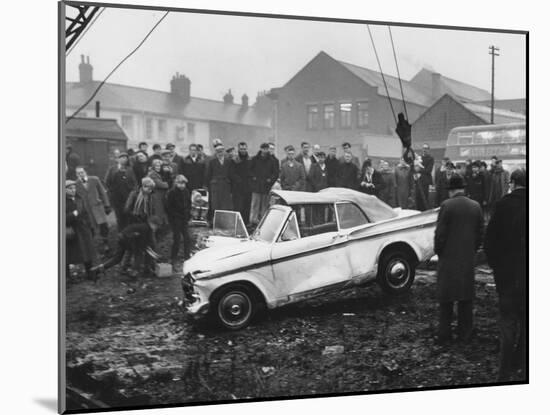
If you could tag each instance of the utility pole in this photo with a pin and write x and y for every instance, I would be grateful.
(493, 51)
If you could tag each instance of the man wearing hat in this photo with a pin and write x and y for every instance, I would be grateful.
(120, 181)
(265, 171)
(475, 184)
(178, 209)
(506, 250)
(458, 236)
(175, 158)
(79, 241)
(219, 176)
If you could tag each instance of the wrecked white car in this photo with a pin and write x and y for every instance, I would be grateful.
(305, 245)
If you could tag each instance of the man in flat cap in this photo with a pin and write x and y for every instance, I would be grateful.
(458, 236)
(219, 176)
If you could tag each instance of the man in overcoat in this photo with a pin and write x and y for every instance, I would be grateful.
(318, 175)
(219, 176)
(348, 173)
(242, 193)
(292, 174)
(458, 236)
(193, 167)
(120, 181)
(506, 250)
(371, 181)
(265, 172)
(96, 201)
(403, 183)
(428, 166)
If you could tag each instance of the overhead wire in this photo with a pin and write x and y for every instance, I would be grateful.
(398, 74)
(84, 31)
(382, 73)
(74, 114)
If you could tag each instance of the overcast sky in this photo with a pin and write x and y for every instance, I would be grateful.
(249, 54)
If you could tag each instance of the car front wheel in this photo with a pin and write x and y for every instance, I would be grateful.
(234, 307)
(396, 272)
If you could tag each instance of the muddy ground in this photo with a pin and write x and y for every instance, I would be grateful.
(129, 343)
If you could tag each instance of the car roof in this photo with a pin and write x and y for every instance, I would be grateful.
(374, 208)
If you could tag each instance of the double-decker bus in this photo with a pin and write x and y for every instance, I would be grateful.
(481, 142)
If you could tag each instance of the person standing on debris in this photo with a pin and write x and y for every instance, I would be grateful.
(120, 181)
(403, 184)
(319, 175)
(293, 175)
(79, 241)
(306, 160)
(137, 237)
(178, 207)
(347, 150)
(348, 173)
(387, 193)
(265, 171)
(96, 201)
(219, 177)
(506, 250)
(161, 186)
(193, 168)
(428, 166)
(442, 184)
(332, 166)
(499, 184)
(458, 235)
(139, 206)
(242, 193)
(475, 185)
(140, 166)
(72, 161)
(371, 180)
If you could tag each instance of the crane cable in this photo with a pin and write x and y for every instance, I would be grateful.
(382, 73)
(84, 31)
(398, 74)
(116, 67)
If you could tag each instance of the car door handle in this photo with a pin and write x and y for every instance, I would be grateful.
(339, 236)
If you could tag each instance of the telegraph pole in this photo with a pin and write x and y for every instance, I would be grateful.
(493, 51)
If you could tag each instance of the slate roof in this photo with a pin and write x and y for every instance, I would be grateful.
(500, 116)
(460, 90)
(412, 92)
(98, 128)
(129, 98)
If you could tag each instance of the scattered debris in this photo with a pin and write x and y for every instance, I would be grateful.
(268, 370)
(330, 350)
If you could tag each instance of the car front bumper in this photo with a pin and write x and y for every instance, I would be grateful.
(195, 303)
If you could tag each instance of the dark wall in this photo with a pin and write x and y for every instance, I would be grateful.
(96, 155)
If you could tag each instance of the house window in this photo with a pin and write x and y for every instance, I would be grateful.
(328, 116)
(162, 128)
(191, 129)
(345, 115)
(127, 122)
(149, 128)
(312, 117)
(362, 114)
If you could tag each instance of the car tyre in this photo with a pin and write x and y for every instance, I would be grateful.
(396, 272)
(234, 306)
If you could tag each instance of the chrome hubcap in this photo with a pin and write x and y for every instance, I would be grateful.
(234, 308)
(397, 273)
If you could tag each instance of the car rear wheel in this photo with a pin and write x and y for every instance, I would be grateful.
(234, 307)
(396, 272)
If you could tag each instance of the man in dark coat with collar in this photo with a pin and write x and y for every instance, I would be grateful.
(242, 193)
(458, 236)
(348, 173)
(428, 166)
(120, 181)
(506, 250)
(332, 166)
(265, 171)
(193, 167)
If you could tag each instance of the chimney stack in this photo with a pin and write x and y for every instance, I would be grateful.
(436, 85)
(180, 87)
(85, 70)
(244, 100)
(228, 98)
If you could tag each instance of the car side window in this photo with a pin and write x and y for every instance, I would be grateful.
(290, 233)
(350, 216)
(315, 219)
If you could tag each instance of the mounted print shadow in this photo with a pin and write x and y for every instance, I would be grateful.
(259, 207)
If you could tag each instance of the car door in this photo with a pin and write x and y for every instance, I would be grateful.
(308, 260)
